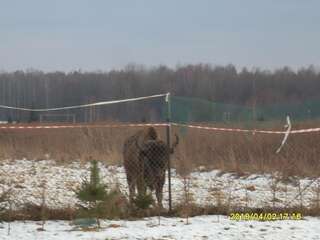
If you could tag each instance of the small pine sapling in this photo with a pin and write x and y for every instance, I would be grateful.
(143, 201)
(93, 192)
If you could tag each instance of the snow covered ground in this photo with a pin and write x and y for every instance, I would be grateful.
(28, 178)
(201, 227)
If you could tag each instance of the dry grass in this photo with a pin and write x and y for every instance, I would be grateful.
(67, 145)
(246, 152)
(35, 213)
(228, 151)
(32, 212)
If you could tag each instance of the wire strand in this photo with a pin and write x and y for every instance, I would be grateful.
(83, 105)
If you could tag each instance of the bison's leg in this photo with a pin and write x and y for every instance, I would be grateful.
(159, 197)
(159, 188)
(132, 187)
(141, 185)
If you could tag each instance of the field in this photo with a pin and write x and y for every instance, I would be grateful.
(212, 173)
(159, 120)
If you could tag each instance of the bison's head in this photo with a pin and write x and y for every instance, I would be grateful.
(151, 133)
(155, 145)
(175, 144)
(156, 152)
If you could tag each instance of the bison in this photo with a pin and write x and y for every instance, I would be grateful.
(145, 161)
(131, 155)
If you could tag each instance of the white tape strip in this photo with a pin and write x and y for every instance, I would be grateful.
(14, 126)
(228, 129)
(288, 126)
(17, 126)
(83, 105)
(253, 131)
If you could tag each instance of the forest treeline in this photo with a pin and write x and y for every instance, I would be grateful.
(223, 84)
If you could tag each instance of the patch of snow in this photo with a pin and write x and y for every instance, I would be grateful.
(201, 227)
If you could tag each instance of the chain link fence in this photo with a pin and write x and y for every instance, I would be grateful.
(209, 170)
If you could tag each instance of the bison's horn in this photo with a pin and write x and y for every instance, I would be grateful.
(175, 143)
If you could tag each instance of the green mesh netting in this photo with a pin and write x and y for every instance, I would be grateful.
(186, 110)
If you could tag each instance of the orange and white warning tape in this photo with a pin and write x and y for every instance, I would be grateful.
(253, 131)
(18, 126)
(228, 129)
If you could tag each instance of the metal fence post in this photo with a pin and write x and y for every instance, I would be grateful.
(169, 146)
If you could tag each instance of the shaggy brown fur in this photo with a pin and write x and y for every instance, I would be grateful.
(132, 164)
(155, 158)
(146, 160)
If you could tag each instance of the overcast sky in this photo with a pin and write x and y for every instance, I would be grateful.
(90, 35)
